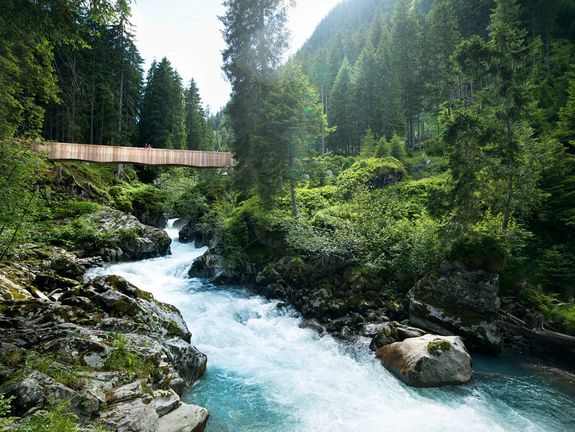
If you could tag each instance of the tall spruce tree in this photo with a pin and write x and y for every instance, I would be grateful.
(256, 37)
(340, 111)
(162, 121)
(197, 133)
(406, 48)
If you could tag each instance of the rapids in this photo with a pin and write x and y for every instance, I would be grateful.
(267, 374)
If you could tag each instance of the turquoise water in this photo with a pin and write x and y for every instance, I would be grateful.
(266, 374)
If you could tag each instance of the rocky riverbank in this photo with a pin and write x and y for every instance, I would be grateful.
(101, 354)
(345, 300)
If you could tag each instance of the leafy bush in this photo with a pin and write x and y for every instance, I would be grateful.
(560, 315)
(74, 208)
(80, 233)
(370, 172)
(484, 246)
(4, 410)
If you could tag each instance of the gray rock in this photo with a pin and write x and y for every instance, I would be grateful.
(428, 361)
(391, 332)
(166, 401)
(125, 393)
(187, 359)
(187, 418)
(133, 416)
(312, 324)
(461, 302)
(132, 240)
(27, 394)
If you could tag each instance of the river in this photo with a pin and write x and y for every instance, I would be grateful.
(267, 374)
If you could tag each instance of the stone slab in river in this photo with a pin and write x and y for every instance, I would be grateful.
(187, 418)
(428, 361)
(459, 302)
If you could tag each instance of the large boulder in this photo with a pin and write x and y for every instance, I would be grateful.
(190, 232)
(459, 301)
(428, 361)
(127, 239)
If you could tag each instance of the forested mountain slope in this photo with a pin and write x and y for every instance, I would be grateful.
(386, 65)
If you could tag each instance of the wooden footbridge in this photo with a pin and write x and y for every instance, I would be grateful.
(134, 155)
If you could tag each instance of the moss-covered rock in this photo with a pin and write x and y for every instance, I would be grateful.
(428, 361)
(459, 301)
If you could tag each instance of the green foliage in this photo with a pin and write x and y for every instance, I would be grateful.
(555, 271)
(19, 191)
(377, 229)
(79, 233)
(57, 419)
(369, 172)
(5, 421)
(437, 347)
(197, 132)
(485, 247)
(559, 315)
(369, 145)
(397, 148)
(138, 199)
(65, 374)
(383, 148)
(73, 209)
(163, 118)
(123, 358)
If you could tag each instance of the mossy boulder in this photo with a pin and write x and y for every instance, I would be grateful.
(428, 361)
(124, 238)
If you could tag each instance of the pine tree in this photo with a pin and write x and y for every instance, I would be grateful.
(162, 121)
(441, 38)
(511, 91)
(289, 121)
(196, 127)
(339, 111)
(406, 57)
(256, 37)
(369, 145)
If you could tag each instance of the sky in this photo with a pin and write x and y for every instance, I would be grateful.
(188, 33)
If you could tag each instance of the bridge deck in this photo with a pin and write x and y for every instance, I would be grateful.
(134, 155)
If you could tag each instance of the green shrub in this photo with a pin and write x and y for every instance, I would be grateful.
(5, 421)
(64, 374)
(397, 148)
(73, 209)
(80, 233)
(370, 172)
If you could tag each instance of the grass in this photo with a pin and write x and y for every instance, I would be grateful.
(59, 419)
(123, 358)
(64, 374)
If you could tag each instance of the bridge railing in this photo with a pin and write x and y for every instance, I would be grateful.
(134, 155)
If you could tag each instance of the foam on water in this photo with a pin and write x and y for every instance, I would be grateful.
(267, 374)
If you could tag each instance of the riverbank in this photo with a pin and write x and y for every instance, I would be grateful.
(91, 355)
(266, 372)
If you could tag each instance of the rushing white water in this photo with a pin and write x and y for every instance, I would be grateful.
(267, 374)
